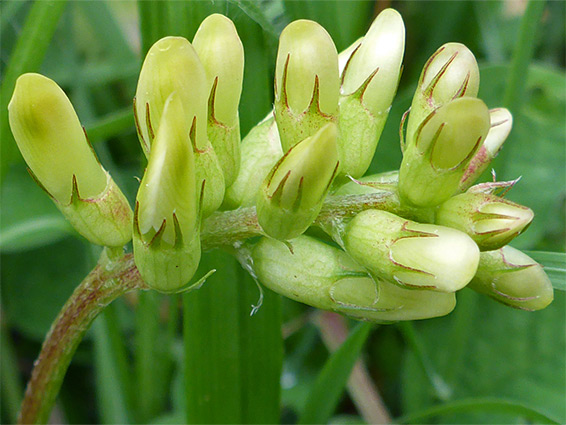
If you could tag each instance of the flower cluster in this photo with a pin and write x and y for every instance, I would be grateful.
(394, 246)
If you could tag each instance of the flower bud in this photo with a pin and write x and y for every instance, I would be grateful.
(489, 220)
(172, 65)
(307, 83)
(55, 148)
(373, 183)
(443, 146)
(325, 277)
(450, 73)
(501, 122)
(222, 54)
(292, 193)
(261, 149)
(369, 83)
(514, 279)
(166, 222)
(411, 254)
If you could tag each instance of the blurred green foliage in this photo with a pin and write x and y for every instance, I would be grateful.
(481, 350)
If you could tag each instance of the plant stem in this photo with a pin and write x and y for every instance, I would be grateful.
(107, 281)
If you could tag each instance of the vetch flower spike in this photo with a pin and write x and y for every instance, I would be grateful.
(489, 220)
(501, 122)
(411, 254)
(369, 83)
(325, 277)
(221, 52)
(451, 72)
(307, 83)
(172, 65)
(60, 158)
(166, 224)
(438, 156)
(514, 279)
(292, 193)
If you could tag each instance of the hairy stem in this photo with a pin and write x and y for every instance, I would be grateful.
(107, 281)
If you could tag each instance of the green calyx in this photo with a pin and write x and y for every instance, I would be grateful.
(292, 193)
(314, 273)
(411, 254)
(514, 279)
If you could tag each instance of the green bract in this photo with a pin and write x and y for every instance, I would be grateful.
(54, 145)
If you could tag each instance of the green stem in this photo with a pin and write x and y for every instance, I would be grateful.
(477, 404)
(104, 284)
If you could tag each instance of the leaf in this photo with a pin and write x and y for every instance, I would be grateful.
(554, 264)
(484, 349)
(478, 404)
(29, 219)
(331, 382)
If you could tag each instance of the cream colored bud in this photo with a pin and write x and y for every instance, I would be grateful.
(55, 148)
(379, 56)
(52, 141)
(166, 228)
(171, 65)
(514, 279)
(489, 220)
(306, 51)
(293, 192)
(222, 54)
(317, 274)
(411, 254)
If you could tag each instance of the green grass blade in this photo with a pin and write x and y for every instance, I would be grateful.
(554, 264)
(331, 381)
(153, 22)
(27, 56)
(477, 404)
(11, 387)
(111, 125)
(110, 370)
(232, 361)
(517, 79)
